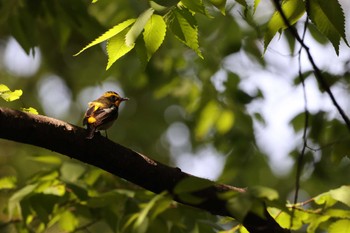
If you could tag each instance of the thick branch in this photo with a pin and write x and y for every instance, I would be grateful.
(70, 140)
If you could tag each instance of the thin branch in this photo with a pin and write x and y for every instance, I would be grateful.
(306, 126)
(121, 161)
(318, 74)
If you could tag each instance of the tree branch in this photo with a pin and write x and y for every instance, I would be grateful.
(70, 140)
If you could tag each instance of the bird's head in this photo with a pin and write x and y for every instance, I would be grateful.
(114, 97)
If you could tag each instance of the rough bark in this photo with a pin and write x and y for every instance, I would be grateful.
(121, 161)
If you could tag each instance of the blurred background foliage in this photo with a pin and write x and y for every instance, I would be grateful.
(181, 106)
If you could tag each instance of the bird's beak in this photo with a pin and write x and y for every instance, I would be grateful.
(120, 100)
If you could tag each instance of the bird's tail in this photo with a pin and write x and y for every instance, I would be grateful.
(91, 132)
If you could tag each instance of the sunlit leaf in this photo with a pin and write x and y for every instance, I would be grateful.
(30, 110)
(293, 10)
(225, 121)
(53, 187)
(316, 221)
(328, 16)
(325, 199)
(109, 34)
(8, 182)
(138, 27)
(220, 4)
(341, 194)
(340, 226)
(256, 4)
(9, 95)
(68, 221)
(48, 159)
(116, 48)
(207, 119)
(284, 218)
(154, 34)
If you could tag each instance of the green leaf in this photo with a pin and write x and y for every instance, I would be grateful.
(207, 119)
(284, 218)
(14, 202)
(105, 199)
(8, 182)
(316, 221)
(116, 48)
(239, 206)
(196, 6)
(192, 184)
(47, 159)
(264, 193)
(340, 226)
(183, 24)
(325, 199)
(72, 171)
(9, 95)
(298, 122)
(145, 211)
(293, 10)
(328, 16)
(341, 194)
(256, 4)
(225, 121)
(109, 34)
(68, 222)
(30, 110)
(138, 27)
(154, 34)
(219, 4)
(54, 187)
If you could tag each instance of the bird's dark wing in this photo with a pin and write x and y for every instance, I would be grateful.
(88, 114)
(104, 115)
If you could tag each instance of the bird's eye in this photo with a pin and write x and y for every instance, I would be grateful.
(115, 98)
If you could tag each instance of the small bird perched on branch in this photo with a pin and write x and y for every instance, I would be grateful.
(102, 112)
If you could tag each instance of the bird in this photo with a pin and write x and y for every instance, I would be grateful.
(102, 113)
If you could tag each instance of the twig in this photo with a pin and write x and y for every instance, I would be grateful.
(318, 74)
(306, 125)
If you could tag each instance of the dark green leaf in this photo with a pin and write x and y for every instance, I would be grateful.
(183, 24)
(196, 6)
(329, 19)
